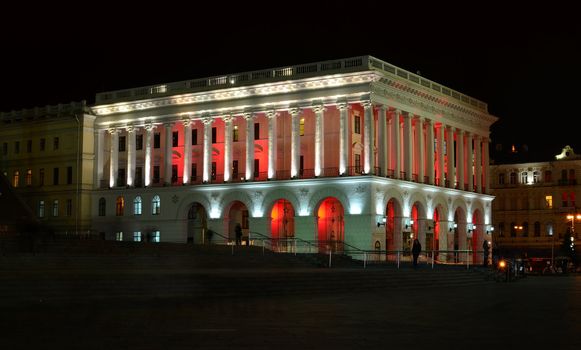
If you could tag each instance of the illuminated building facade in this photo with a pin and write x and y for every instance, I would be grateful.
(47, 155)
(533, 200)
(354, 151)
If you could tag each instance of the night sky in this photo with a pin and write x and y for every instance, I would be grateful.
(525, 62)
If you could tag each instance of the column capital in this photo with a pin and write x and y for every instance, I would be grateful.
(130, 128)
(381, 107)
(408, 114)
(295, 111)
(366, 104)
(397, 111)
(168, 124)
(149, 126)
(318, 108)
(207, 120)
(228, 118)
(113, 130)
(341, 105)
(271, 114)
(450, 128)
(248, 115)
(187, 121)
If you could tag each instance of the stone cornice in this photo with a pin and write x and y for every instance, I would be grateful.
(235, 93)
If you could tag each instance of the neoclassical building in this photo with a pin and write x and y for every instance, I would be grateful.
(355, 151)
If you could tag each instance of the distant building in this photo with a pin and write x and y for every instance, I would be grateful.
(351, 151)
(532, 202)
(47, 156)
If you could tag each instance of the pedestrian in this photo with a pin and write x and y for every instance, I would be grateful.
(485, 251)
(416, 249)
(238, 231)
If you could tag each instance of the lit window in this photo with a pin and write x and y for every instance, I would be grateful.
(155, 236)
(523, 177)
(549, 202)
(137, 205)
(358, 163)
(55, 208)
(302, 127)
(16, 178)
(137, 236)
(119, 206)
(155, 205)
(28, 177)
(119, 236)
(536, 177)
(102, 206)
(357, 126)
(235, 134)
(40, 209)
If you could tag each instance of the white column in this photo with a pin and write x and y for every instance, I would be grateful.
(421, 149)
(397, 142)
(343, 137)
(227, 147)
(408, 145)
(295, 142)
(249, 117)
(113, 165)
(461, 162)
(486, 161)
(478, 163)
(130, 155)
(168, 150)
(319, 139)
(207, 166)
(99, 156)
(148, 148)
(450, 150)
(440, 146)
(367, 137)
(382, 140)
(469, 162)
(187, 150)
(430, 150)
(272, 143)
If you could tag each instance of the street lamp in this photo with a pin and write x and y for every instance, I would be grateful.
(572, 217)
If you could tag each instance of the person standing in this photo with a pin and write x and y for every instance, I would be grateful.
(416, 249)
(238, 231)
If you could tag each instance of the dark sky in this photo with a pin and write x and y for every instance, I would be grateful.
(521, 60)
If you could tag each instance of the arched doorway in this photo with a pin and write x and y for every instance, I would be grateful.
(282, 225)
(459, 241)
(197, 224)
(330, 225)
(238, 214)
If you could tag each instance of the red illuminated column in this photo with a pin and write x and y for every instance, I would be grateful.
(486, 162)
(113, 165)
(147, 170)
(408, 144)
(430, 150)
(469, 162)
(168, 153)
(478, 162)
(187, 150)
(271, 115)
(343, 137)
(461, 162)
(130, 155)
(420, 148)
(227, 147)
(440, 146)
(295, 142)
(319, 139)
(249, 117)
(450, 151)
(382, 140)
(207, 166)
(396, 128)
(367, 137)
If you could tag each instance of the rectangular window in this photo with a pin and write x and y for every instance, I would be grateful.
(5, 148)
(214, 135)
(357, 125)
(235, 134)
(138, 177)
(174, 138)
(257, 131)
(55, 208)
(234, 169)
(213, 170)
(156, 140)
(301, 165)
(139, 142)
(40, 209)
(137, 236)
(564, 201)
(55, 143)
(501, 179)
(524, 177)
(155, 236)
(121, 143)
(69, 175)
(17, 147)
(548, 176)
(29, 146)
(121, 177)
(41, 177)
(256, 168)
(16, 178)
(29, 177)
(549, 202)
(302, 127)
(194, 136)
(358, 163)
(69, 209)
(156, 174)
(194, 171)
(55, 176)
(174, 173)
(119, 236)
(42, 144)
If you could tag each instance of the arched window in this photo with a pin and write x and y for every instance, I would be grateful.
(155, 205)
(548, 176)
(16, 178)
(525, 229)
(137, 205)
(501, 179)
(119, 206)
(55, 208)
(512, 178)
(102, 206)
(536, 177)
(501, 229)
(537, 229)
(524, 177)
